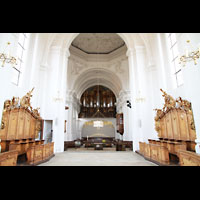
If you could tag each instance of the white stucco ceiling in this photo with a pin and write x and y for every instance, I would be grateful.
(98, 43)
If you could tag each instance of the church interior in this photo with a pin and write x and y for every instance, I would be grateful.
(100, 99)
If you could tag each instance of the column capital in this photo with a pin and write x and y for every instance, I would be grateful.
(66, 52)
(130, 52)
(140, 49)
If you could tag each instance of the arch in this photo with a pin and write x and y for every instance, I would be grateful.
(90, 78)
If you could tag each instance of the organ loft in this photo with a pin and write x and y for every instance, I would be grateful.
(98, 101)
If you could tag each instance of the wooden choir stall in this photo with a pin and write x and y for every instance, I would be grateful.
(21, 132)
(176, 132)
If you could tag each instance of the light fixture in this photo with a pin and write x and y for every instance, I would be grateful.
(58, 98)
(190, 56)
(140, 98)
(6, 58)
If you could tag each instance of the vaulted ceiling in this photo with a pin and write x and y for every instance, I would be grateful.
(98, 43)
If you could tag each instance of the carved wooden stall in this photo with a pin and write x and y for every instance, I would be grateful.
(176, 132)
(21, 127)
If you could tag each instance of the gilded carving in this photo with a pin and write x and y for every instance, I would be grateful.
(170, 104)
(25, 100)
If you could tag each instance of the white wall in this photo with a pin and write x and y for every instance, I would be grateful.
(50, 75)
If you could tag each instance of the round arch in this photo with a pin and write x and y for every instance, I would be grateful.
(93, 76)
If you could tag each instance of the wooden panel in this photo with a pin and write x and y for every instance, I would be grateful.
(141, 144)
(38, 153)
(183, 125)
(3, 146)
(163, 128)
(27, 125)
(5, 119)
(20, 126)
(192, 132)
(187, 158)
(32, 127)
(163, 155)
(12, 127)
(147, 152)
(30, 154)
(16, 147)
(175, 125)
(52, 148)
(169, 125)
(154, 152)
(8, 158)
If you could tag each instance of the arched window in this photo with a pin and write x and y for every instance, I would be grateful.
(21, 48)
(174, 59)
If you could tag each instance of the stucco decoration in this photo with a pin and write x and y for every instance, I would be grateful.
(98, 43)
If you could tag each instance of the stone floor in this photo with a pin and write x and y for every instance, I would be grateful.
(90, 157)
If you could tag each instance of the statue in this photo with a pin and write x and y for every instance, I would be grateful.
(15, 102)
(170, 102)
(7, 105)
(25, 100)
(36, 112)
(184, 104)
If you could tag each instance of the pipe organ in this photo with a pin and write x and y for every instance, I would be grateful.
(97, 99)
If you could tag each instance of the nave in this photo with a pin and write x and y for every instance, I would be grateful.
(108, 157)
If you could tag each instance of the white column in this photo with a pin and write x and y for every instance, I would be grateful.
(69, 103)
(60, 76)
(133, 128)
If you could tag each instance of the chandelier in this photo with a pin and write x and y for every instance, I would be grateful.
(6, 58)
(190, 56)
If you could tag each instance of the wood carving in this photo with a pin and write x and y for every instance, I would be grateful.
(25, 100)
(36, 112)
(170, 102)
(15, 102)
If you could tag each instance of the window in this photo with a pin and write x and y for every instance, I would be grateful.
(174, 58)
(21, 47)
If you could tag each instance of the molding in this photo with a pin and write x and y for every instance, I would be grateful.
(97, 57)
(130, 52)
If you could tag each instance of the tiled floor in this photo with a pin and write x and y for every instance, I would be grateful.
(91, 157)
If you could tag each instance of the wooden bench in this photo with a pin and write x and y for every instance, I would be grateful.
(155, 152)
(8, 158)
(188, 158)
(40, 153)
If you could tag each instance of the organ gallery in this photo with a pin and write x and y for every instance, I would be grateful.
(98, 100)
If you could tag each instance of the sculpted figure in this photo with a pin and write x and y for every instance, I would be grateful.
(7, 105)
(15, 102)
(36, 112)
(25, 100)
(170, 102)
(159, 114)
(184, 104)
